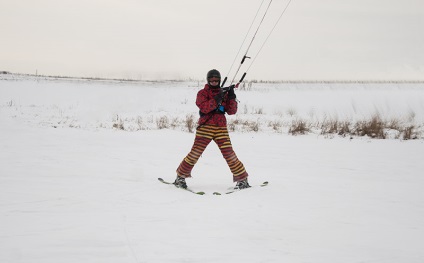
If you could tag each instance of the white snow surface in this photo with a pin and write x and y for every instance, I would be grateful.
(74, 189)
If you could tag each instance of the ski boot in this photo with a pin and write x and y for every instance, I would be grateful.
(242, 185)
(180, 182)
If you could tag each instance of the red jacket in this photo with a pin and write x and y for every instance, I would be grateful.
(207, 105)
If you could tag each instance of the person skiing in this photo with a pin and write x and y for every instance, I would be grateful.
(213, 102)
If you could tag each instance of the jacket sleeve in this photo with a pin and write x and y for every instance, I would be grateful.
(205, 103)
(230, 106)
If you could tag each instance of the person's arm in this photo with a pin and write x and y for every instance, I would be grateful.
(205, 103)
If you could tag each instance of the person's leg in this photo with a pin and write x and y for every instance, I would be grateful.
(201, 141)
(222, 138)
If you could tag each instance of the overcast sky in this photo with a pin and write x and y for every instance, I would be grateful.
(148, 39)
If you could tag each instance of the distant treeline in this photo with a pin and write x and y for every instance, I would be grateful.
(246, 81)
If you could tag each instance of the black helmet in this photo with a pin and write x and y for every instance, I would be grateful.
(213, 73)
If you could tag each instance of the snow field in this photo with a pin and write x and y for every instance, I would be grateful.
(264, 107)
(91, 194)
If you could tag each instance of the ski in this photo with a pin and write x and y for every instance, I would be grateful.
(214, 193)
(188, 189)
(236, 190)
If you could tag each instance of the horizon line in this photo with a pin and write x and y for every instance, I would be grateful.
(399, 81)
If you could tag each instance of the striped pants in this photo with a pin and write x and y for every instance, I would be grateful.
(204, 135)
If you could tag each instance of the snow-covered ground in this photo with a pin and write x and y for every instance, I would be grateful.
(75, 189)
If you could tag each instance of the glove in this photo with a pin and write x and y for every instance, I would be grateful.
(231, 94)
(219, 97)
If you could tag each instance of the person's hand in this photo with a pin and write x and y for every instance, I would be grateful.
(219, 97)
(231, 94)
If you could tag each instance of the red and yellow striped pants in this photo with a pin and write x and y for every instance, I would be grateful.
(204, 135)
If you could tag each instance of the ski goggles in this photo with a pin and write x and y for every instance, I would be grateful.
(214, 80)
